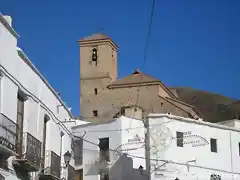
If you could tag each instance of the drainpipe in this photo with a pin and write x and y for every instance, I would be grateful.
(61, 134)
(230, 136)
(147, 148)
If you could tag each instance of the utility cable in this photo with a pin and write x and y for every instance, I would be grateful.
(145, 53)
(146, 47)
(123, 129)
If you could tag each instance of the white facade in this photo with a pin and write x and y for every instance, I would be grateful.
(125, 135)
(195, 159)
(19, 75)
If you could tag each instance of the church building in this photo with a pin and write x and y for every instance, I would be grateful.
(104, 96)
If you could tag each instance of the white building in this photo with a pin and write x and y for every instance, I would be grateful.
(108, 141)
(177, 148)
(34, 132)
(193, 149)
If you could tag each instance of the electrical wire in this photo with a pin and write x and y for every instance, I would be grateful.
(145, 52)
(55, 119)
(123, 129)
(146, 47)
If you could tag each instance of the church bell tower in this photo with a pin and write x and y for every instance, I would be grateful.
(98, 65)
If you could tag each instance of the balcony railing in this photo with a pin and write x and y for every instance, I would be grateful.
(71, 173)
(7, 136)
(2, 177)
(31, 157)
(52, 168)
(99, 163)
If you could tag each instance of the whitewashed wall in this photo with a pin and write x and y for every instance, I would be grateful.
(18, 74)
(118, 131)
(132, 128)
(225, 162)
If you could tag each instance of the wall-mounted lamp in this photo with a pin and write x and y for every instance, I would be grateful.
(141, 169)
(67, 156)
(176, 178)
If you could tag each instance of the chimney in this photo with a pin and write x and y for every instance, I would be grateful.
(8, 19)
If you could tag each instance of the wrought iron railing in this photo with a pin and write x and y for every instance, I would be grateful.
(52, 164)
(97, 164)
(31, 150)
(8, 133)
(2, 177)
(71, 173)
(104, 155)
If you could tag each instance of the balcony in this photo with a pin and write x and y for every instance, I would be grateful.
(8, 135)
(71, 173)
(52, 166)
(31, 154)
(101, 162)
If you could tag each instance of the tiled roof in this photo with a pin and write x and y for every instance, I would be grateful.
(136, 77)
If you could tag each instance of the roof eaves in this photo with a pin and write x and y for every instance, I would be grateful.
(189, 105)
(168, 100)
(133, 84)
(188, 120)
(94, 123)
(30, 64)
(8, 27)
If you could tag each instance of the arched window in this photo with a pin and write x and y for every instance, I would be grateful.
(95, 55)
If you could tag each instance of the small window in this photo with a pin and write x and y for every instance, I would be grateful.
(104, 177)
(95, 56)
(95, 91)
(213, 144)
(104, 149)
(95, 113)
(179, 139)
(239, 149)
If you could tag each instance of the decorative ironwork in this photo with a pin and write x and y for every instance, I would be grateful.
(215, 177)
(31, 151)
(2, 177)
(96, 165)
(71, 173)
(53, 165)
(8, 133)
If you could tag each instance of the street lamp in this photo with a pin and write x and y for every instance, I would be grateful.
(67, 157)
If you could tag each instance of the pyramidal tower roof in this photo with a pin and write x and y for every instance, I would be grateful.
(97, 37)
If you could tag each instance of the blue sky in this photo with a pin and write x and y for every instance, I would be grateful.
(194, 43)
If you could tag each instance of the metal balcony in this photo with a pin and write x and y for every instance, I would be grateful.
(31, 157)
(8, 135)
(101, 162)
(2, 177)
(52, 166)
